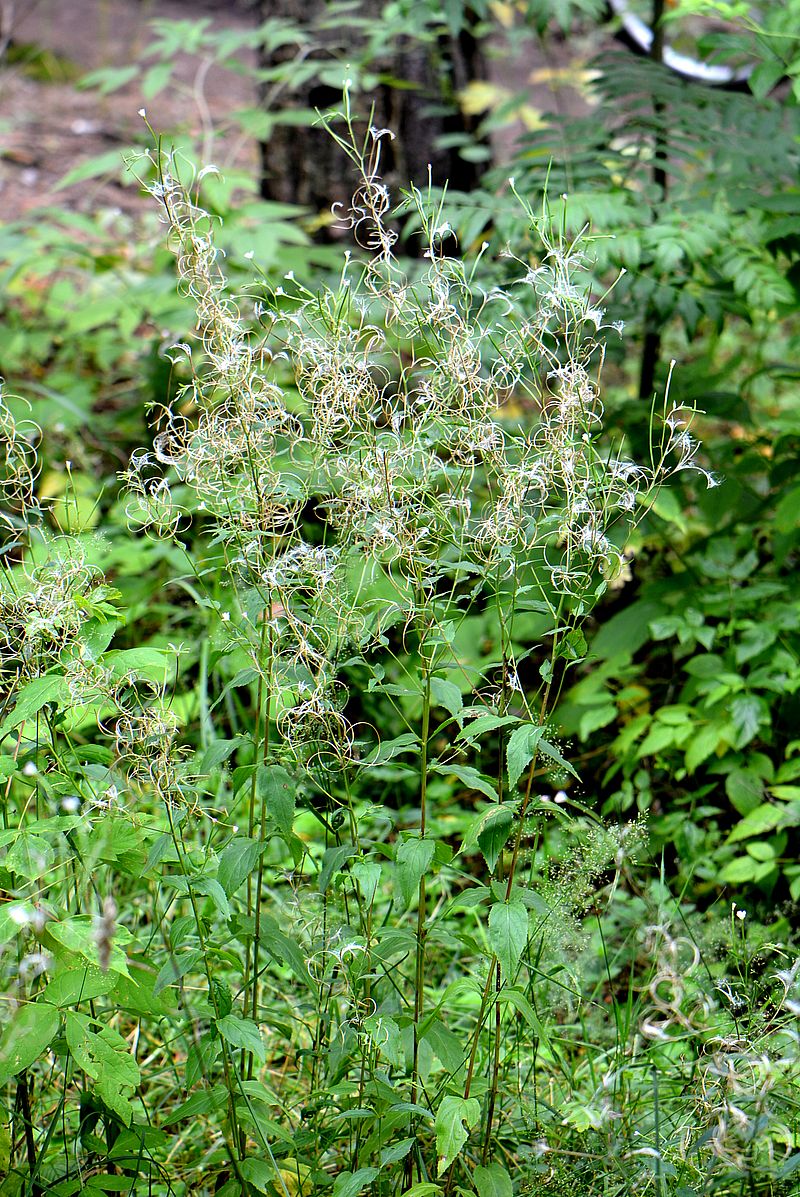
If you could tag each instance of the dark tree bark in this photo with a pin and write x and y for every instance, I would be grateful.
(303, 165)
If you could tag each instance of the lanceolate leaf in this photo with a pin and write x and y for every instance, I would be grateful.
(520, 750)
(508, 934)
(413, 860)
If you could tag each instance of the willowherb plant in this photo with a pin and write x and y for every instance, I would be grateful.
(352, 463)
(396, 503)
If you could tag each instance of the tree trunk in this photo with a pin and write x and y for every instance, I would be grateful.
(417, 100)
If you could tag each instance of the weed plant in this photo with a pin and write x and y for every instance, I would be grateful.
(314, 905)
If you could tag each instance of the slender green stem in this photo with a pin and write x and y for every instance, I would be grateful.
(419, 971)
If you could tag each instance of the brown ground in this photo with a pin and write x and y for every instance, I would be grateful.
(48, 126)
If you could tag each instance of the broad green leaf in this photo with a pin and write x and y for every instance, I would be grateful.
(216, 754)
(386, 1037)
(350, 1184)
(520, 750)
(508, 934)
(493, 1181)
(482, 724)
(745, 869)
(243, 1033)
(455, 1118)
(207, 1101)
(446, 694)
(213, 890)
(332, 861)
(395, 1152)
(154, 664)
(704, 743)
(387, 750)
(73, 985)
(284, 949)
(177, 966)
(237, 860)
(30, 700)
(105, 1057)
(78, 934)
(469, 776)
(493, 834)
(30, 856)
(446, 1046)
(413, 859)
(28, 1032)
(748, 712)
(763, 819)
(368, 875)
(276, 787)
(745, 790)
(261, 1175)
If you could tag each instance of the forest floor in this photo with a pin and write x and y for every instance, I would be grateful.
(49, 126)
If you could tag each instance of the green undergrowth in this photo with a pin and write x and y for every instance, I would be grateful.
(306, 889)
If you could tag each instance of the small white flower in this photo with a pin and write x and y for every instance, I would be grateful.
(29, 769)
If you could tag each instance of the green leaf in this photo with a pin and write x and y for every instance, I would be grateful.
(455, 1118)
(75, 984)
(469, 776)
(493, 834)
(482, 724)
(446, 694)
(350, 1184)
(748, 712)
(332, 861)
(549, 750)
(493, 1181)
(413, 859)
(105, 1057)
(745, 790)
(30, 700)
(216, 754)
(207, 1101)
(153, 664)
(237, 861)
(387, 750)
(707, 740)
(276, 787)
(386, 1037)
(110, 163)
(744, 870)
(520, 750)
(508, 934)
(283, 948)
(447, 1046)
(261, 1175)
(763, 819)
(395, 1152)
(243, 1033)
(28, 1032)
